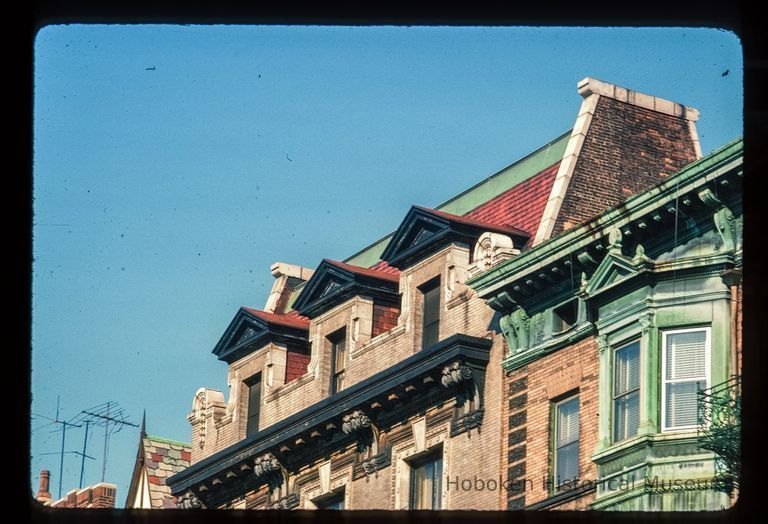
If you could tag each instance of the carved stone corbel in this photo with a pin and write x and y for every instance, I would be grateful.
(455, 374)
(265, 465)
(354, 422)
(189, 500)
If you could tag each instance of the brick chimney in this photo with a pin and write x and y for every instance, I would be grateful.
(43, 495)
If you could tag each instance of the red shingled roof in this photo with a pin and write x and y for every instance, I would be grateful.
(369, 272)
(484, 224)
(521, 206)
(294, 321)
(382, 266)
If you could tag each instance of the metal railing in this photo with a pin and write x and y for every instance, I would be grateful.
(719, 430)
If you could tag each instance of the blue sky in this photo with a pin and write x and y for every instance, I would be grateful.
(174, 164)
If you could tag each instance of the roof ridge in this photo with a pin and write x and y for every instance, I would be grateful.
(168, 441)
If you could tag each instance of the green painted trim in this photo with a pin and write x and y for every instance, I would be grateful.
(723, 160)
(516, 361)
(169, 441)
(481, 192)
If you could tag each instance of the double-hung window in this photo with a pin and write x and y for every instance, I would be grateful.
(566, 445)
(431, 312)
(426, 482)
(626, 391)
(685, 371)
(338, 360)
(254, 404)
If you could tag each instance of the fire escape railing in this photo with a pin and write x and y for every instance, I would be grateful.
(719, 430)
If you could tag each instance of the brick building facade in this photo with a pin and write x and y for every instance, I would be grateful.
(386, 382)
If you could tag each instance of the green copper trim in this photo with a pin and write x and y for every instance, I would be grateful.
(168, 441)
(723, 160)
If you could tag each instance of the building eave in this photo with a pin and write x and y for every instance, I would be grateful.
(472, 351)
(725, 160)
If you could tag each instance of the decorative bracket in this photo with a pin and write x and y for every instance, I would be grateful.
(354, 422)
(454, 374)
(188, 500)
(515, 328)
(725, 221)
(265, 465)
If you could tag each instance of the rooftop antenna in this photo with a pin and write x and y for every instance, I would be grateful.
(64, 425)
(81, 467)
(112, 417)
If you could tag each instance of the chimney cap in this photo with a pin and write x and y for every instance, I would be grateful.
(591, 86)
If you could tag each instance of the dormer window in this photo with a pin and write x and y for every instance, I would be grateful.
(338, 360)
(431, 312)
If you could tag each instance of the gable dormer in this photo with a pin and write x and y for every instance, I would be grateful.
(251, 329)
(335, 282)
(425, 231)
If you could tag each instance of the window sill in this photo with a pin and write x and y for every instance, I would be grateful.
(378, 340)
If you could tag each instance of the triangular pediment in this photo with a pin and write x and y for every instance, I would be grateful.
(334, 282)
(613, 269)
(416, 233)
(326, 280)
(244, 329)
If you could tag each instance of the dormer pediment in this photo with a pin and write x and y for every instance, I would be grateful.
(334, 282)
(423, 231)
(251, 329)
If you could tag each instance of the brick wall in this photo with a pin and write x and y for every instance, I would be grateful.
(627, 149)
(384, 318)
(296, 363)
(531, 391)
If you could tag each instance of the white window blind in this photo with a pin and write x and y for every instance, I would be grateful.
(426, 483)
(686, 362)
(566, 441)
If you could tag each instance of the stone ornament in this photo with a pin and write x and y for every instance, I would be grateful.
(265, 464)
(188, 500)
(515, 328)
(455, 374)
(492, 249)
(354, 422)
(725, 220)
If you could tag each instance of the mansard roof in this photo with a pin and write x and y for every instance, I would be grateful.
(335, 282)
(253, 328)
(424, 230)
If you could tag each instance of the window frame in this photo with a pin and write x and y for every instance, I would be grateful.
(639, 388)
(556, 318)
(249, 383)
(707, 372)
(336, 339)
(433, 285)
(434, 456)
(336, 496)
(554, 432)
